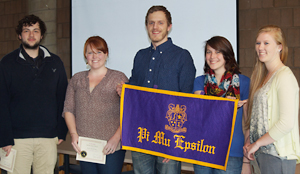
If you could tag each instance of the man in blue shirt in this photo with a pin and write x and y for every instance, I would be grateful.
(166, 66)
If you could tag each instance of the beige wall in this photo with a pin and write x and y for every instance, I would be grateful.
(256, 13)
(10, 14)
(63, 33)
(252, 15)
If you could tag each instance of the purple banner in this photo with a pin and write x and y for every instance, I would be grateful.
(185, 127)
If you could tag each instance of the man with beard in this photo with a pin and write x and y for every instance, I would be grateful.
(166, 66)
(33, 83)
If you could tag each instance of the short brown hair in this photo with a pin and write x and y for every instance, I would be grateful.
(96, 42)
(159, 8)
(30, 20)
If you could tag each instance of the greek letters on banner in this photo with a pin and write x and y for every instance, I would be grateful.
(185, 127)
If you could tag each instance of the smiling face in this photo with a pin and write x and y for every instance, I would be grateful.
(267, 48)
(157, 28)
(95, 58)
(31, 36)
(215, 60)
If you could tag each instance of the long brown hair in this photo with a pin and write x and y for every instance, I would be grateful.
(260, 70)
(221, 44)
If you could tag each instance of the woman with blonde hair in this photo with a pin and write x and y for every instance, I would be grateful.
(272, 131)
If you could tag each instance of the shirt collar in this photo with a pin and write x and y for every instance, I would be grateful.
(26, 56)
(41, 50)
(164, 46)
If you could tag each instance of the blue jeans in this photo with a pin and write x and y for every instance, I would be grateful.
(149, 164)
(234, 166)
(113, 165)
(269, 164)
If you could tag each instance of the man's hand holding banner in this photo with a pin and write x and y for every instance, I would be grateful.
(185, 127)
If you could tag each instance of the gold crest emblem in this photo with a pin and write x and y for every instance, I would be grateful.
(176, 117)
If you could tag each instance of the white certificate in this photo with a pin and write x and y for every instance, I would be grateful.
(91, 150)
(8, 162)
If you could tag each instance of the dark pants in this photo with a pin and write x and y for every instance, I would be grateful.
(113, 165)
